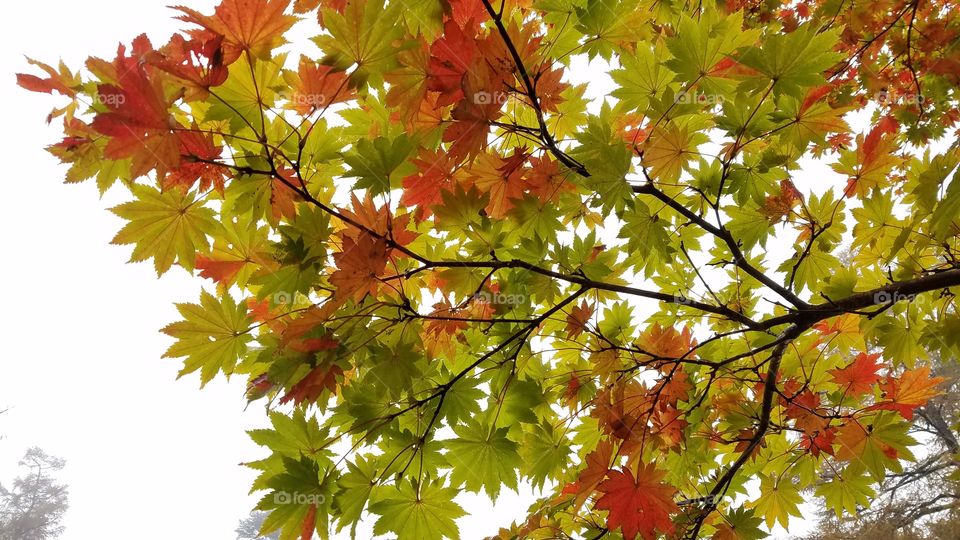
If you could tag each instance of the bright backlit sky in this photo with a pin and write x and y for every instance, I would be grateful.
(147, 456)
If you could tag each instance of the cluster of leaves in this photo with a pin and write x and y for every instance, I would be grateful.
(443, 271)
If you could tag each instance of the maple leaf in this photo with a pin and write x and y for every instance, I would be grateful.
(875, 446)
(778, 206)
(424, 511)
(544, 179)
(577, 319)
(667, 342)
(778, 501)
(311, 387)
(872, 161)
(640, 505)
(359, 263)
(198, 61)
(137, 119)
(470, 125)
(254, 26)
(213, 336)
(169, 227)
(911, 390)
(667, 150)
(549, 88)
(409, 83)
(500, 178)
(317, 86)
(451, 57)
(60, 79)
(220, 271)
(435, 175)
(199, 156)
(379, 220)
(859, 377)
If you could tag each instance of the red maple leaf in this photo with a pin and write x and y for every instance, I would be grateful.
(598, 461)
(451, 57)
(197, 151)
(859, 377)
(638, 505)
(470, 125)
(312, 386)
(198, 61)
(137, 119)
(820, 441)
(435, 174)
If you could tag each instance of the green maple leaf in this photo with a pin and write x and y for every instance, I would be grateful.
(483, 458)
(363, 36)
(292, 435)
(378, 165)
(643, 77)
(246, 93)
(779, 499)
(795, 60)
(168, 226)
(356, 486)
(845, 491)
(213, 336)
(545, 452)
(415, 511)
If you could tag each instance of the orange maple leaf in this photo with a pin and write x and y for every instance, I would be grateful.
(858, 377)
(359, 264)
(255, 26)
(378, 219)
(318, 86)
(223, 272)
(909, 391)
(666, 341)
(598, 462)
(577, 319)
(640, 505)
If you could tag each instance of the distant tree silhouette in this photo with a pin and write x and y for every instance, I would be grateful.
(31, 509)
(249, 528)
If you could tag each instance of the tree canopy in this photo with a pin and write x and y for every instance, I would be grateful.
(446, 261)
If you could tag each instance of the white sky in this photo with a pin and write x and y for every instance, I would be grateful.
(81, 371)
(147, 456)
